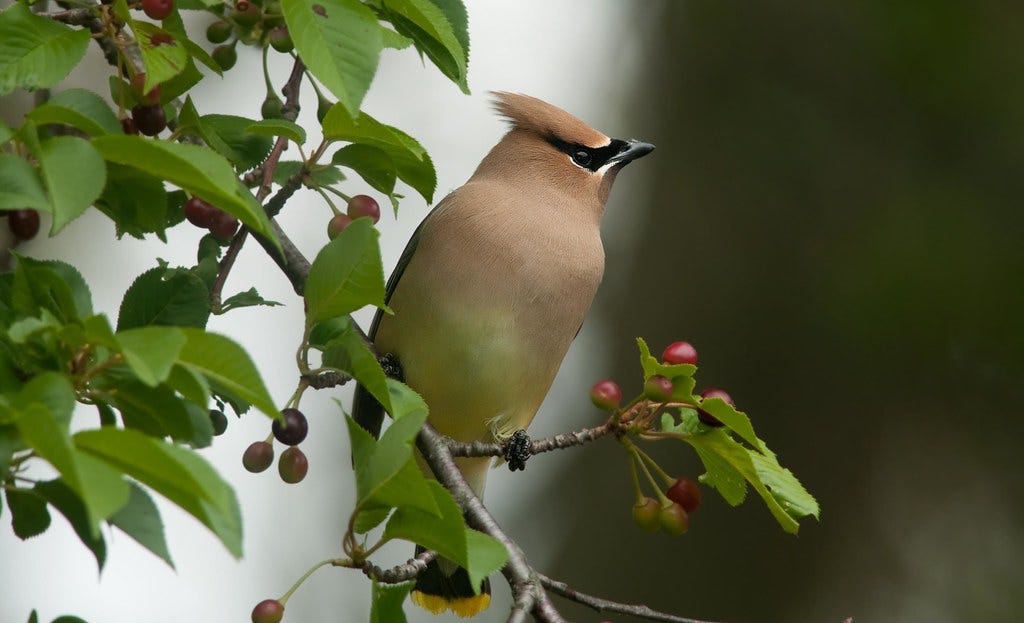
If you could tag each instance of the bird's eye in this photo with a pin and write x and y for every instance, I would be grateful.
(582, 157)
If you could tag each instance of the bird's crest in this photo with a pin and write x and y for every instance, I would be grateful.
(534, 115)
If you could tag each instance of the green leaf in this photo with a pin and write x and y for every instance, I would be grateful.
(51, 285)
(429, 27)
(162, 55)
(229, 135)
(249, 298)
(78, 108)
(135, 201)
(61, 497)
(74, 173)
(191, 385)
(346, 275)
(165, 297)
(445, 532)
(279, 127)
(784, 486)
(226, 365)
(6, 133)
(369, 518)
(198, 170)
(140, 519)
(174, 24)
(20, 186)
(33, 617)
(52, 390)
(320, 175)
(151, 351)
(737, 421)
(387, 602)
(180, 475)
(340, 41)
(347, 351)
(36, 52)
(412, 164)
(393, 40)
(202, 427)
(155, 411)
(484, 555)
(29, 516)
(720, 456)
(67, 618)
(372, 163)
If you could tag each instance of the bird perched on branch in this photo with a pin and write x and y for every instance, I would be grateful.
(491, 290)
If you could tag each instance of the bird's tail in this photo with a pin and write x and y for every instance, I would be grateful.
(443, 585)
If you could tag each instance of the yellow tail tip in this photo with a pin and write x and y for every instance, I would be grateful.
(462, 606)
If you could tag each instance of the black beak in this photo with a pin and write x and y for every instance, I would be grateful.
(632, 150)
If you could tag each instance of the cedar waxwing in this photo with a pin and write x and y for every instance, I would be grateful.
(491, 290)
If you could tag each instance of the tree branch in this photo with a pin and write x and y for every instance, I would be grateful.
(399, 573)
(603, 605)
(547, 444)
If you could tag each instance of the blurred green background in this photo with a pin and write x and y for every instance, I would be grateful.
(834, 218)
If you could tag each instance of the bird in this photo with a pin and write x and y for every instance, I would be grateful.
(491, 290)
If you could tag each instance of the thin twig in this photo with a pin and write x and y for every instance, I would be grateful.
(399, 573)
(603, 605)
(555, 442)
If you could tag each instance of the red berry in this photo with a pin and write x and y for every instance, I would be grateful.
(149, 118)
(685, 493)
(268, 611)
(680, 352)
(645, 514)
(293, 465)
(364, 205)
(673, 519)
(157, 9)
(224, 225)
(606, 395)
(219, 421)
(128, 126)
(139, 83)
(337, 225)
(200, 213)
(713, 392)
(658, 388)
(258, 456)
(292, 428)
(24, 224)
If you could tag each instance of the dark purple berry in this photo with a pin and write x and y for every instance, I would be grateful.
(291, 429)
(258, 456)
(149, 118)
(219, 421)
(24, 224)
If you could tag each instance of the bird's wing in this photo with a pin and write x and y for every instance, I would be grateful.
(366, 411)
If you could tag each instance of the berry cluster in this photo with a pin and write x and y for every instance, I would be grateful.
(248, 22)
(290, 430)
(206, 216)
(670, 510)
(358, 206)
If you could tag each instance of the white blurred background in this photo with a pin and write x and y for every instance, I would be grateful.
(563, 52)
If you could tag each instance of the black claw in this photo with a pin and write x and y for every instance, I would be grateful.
(391, 366)
(517, 450)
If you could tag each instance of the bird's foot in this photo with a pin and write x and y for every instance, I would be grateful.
(391, 366)
(517, 449)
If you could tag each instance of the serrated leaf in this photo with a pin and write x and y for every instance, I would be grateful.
(794, 499)
(347, 351)
(681, 374)
(393, 40)
(484, 556)
(140, 519)
(20, 185)
(36, 52)
(198, 170)
(29, 516)
(52, 285)
(151, 351)
(346, 275)
(369, 518)
(226, 365)
(175, 25)
(373, 164)
(62, 498)
(165, 297)
(387, 475)
(279, 127)
(230, 136)
(319, 176)
(202, 426)
(162, 55)
(180, 475)
(737, 421)
(155, 411)
(135, 201)
(718, 452)
(74, 174)
(78, 108)
(445, 532)
(340, 41)
(386, 606)
(190, 384)
(249, 298)
(412, 164)
(430, 29)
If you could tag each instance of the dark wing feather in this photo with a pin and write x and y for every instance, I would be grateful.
(366, 411)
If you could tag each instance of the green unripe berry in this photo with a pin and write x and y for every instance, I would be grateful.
(225, 55)
(280, 40)
(646, 513)
(219, 31)
(673, 519)
(272, 108)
